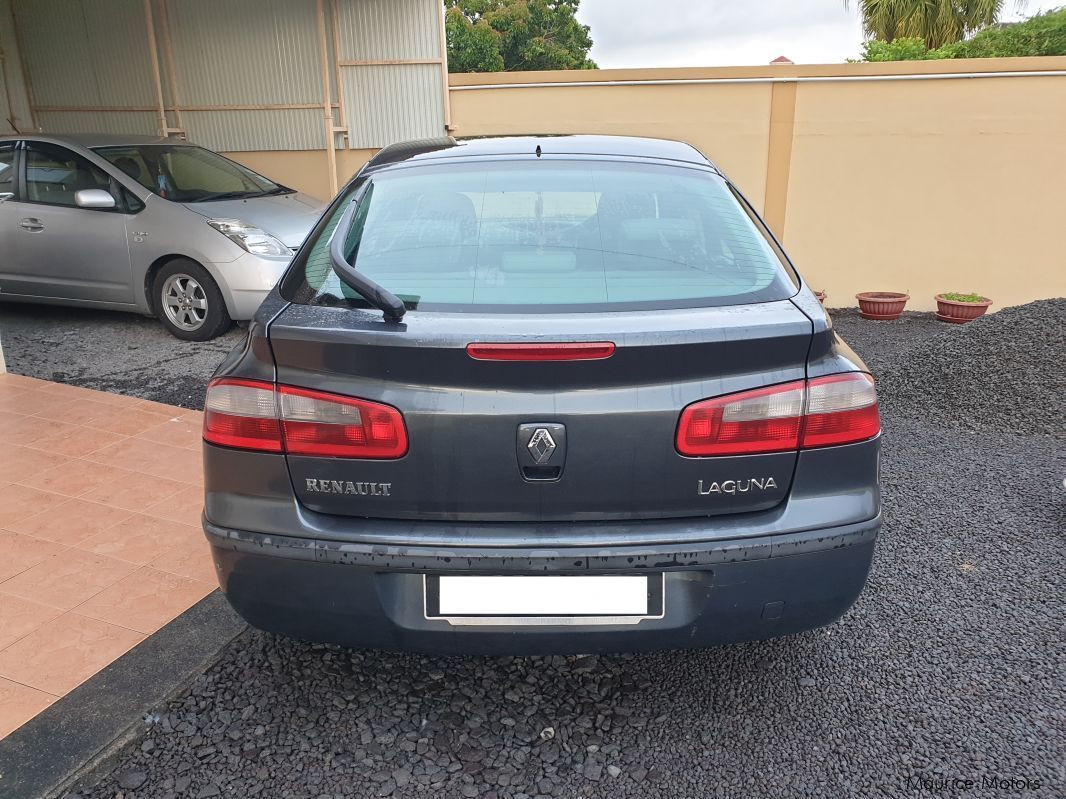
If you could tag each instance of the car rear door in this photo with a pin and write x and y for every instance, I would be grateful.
(613, 421)
(656, 274)
(59, 250)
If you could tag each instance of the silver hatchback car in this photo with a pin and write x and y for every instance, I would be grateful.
(137, 223)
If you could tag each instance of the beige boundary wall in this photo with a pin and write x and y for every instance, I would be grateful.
(910, 176)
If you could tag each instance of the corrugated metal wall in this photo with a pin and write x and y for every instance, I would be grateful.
(236, 74)
(14, 104)
(71, 53)
(391, 102)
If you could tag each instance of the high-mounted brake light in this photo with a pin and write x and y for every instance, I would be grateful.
(256, 415)
(562, 351)
(804, 414)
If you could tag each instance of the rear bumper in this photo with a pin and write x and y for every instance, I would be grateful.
(370, 595)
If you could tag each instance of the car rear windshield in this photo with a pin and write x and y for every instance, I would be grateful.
(547, 236)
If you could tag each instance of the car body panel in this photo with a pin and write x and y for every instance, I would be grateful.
(287, 216)
(462, 415)
(125, 254)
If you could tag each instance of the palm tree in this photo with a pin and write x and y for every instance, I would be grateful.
(936, 22)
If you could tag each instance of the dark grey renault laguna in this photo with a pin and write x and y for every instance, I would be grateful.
(541, 395)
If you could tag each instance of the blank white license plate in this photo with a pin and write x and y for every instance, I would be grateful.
(559, 598)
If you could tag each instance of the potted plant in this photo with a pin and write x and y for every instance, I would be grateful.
(960, 308)
(883, 306)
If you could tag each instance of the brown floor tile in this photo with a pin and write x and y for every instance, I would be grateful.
(19, 617)
(71, 522)
(71, 411)
(19, 704)
(79, 393)
(127, 421)
(19, 502)
(75, 478)
(17, 463)
(65, 652)
(131, 490)
(21, 552)
(181, 431)
(75, 440)
(154, 458)
(187, 507)
(16, 429)
(146, 600)
(139, 539)
(67, 579)
(41, 403)
(11, 379)
(192, 560)
(11, 398)
(169, 411)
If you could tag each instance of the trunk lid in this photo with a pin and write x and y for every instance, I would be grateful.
(611, 423)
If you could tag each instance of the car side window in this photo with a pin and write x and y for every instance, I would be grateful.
(7, 171)
(55, 174)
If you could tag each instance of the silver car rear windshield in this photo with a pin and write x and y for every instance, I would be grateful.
(549, 236)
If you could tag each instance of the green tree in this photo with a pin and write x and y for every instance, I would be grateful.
(935, 22)
(514, 35)
(1044, 34)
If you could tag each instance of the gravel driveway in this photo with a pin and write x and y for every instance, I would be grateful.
(951, 665)
(121, 352)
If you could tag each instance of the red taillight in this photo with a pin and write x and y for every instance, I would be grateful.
(805, 414)
(565, 351)
(250, 414)
(841, 409)
(333, 426)
(242, 414)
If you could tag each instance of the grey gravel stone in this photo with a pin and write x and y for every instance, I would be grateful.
(949, 664)
(131, 780)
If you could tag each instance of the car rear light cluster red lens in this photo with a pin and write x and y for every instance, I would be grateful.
(804, 414)
(562, 351)
(256, 415)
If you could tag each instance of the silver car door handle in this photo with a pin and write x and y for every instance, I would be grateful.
(30, 223)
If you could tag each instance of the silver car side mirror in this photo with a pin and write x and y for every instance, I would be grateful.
(94, 198)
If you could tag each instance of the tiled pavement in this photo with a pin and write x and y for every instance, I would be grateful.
(100, 543)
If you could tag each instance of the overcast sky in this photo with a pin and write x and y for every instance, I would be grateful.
(694, 33)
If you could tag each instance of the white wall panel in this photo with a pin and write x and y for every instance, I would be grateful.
(387, 104)
(234, 131)
(243, 52)
(85, 52)
(382, 29)
(142, 123)
(14, 103)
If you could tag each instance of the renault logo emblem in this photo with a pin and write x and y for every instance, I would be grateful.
(541, 445)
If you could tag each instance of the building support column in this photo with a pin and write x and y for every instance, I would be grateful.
(153, 54)
(327, 100)
(779, 156)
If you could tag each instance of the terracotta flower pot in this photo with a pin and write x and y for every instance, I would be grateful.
(821, 296)
(959, 313)
(883, 306)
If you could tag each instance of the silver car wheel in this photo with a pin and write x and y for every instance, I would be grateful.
(184, 302)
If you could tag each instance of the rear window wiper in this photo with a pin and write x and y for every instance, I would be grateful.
(378, 296)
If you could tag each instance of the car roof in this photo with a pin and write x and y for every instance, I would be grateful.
(91, 140)
(580, 144)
